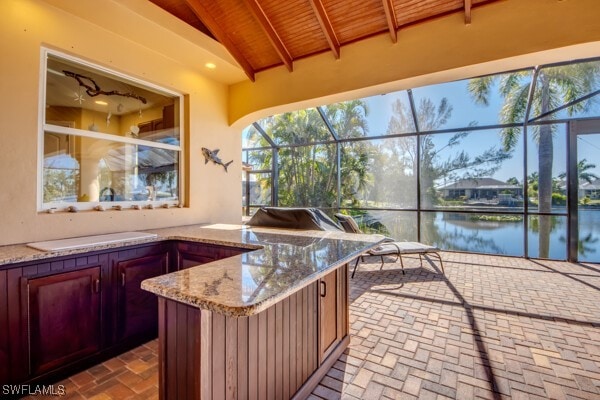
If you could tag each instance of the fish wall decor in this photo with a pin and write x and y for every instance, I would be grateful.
(211, 155)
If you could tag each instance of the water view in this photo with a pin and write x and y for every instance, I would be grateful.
(463, 232)
(488, 233)
(466, 158)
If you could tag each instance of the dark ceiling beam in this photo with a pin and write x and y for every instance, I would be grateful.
(468, 12)
(326, 27)
(271, 33)
(390, 16)
(207, 19)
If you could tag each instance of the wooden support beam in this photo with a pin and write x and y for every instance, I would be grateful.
(271, 33)
(390, 16)
(468, 12)
(326, 27)
(207, 19)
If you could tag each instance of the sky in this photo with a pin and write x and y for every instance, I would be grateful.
(465, 111)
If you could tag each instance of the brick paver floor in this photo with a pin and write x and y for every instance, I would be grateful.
(491, 328)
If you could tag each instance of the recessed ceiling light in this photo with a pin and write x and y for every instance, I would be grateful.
(101, 103)
(210, 65)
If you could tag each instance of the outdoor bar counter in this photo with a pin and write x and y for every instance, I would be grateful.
(243, 312)
(264, 324)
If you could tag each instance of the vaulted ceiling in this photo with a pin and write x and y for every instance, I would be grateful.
(262, 34)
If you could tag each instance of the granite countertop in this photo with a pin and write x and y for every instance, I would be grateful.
(19, 253)
(279, 262)
(221, 234)
(285, 261)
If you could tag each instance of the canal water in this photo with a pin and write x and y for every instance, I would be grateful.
(464, 232)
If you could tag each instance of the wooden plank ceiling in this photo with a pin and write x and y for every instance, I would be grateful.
(262, 34)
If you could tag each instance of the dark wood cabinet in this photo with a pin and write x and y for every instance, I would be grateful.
(55, 314)
(189, 254)
(137, 309)
(63, 316)
(66, 313)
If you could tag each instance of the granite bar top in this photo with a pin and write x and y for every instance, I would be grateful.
(216, 234)
(279, 262)
(285, 262)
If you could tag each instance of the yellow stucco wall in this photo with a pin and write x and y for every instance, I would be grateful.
(503, 35)
(30, 24)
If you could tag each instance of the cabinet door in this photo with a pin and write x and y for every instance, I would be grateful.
(193, 254)
(330, 313)
(64, 319)
(137, 309)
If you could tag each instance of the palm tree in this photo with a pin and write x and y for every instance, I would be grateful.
(582, 172)
(349, 120)
(307, 173)
(512, 181)
(554, 86)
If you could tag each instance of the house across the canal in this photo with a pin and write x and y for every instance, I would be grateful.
(481, 189)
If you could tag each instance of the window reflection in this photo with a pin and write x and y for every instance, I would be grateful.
(107, 138)
(95, 170)
(126, 110)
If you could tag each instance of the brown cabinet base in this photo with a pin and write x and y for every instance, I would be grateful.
(62, 315)
(274, 354)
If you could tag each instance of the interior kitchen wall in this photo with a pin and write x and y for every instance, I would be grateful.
(29, 25)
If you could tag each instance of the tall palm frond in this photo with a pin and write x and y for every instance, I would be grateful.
(555, 86)
(480, 89)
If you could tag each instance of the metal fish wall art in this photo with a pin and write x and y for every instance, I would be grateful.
(211, 155)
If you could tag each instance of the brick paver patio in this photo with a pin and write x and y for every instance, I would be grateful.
(491, 327)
